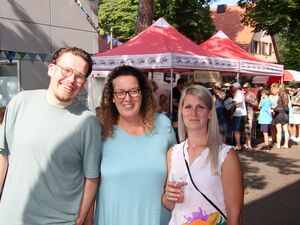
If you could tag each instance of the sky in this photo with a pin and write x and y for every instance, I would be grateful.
(220, 2)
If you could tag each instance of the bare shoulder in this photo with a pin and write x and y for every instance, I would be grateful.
(232, 159)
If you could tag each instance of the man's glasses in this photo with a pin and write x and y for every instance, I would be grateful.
(67, 72)
(133, 93)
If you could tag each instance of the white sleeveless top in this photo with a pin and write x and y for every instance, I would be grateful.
(195, 207)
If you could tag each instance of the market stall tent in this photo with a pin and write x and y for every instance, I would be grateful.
(219, 45)
(292, 76)
(162, 48)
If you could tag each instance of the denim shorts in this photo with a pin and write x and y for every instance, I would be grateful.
(237, 123)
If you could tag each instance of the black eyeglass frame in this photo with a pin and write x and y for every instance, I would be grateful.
(133, 93)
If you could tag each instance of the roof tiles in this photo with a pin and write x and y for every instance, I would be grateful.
(230, 23)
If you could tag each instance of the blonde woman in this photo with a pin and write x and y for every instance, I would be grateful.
(274, 88)
(206, 164)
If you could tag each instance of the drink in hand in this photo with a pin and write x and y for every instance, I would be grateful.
(180, 182)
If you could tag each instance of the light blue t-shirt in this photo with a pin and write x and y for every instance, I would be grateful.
(265, 116)
(50, 151)
(133, 173)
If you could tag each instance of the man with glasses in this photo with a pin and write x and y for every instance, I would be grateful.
(50, 148)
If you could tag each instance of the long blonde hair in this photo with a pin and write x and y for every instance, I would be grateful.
(213, 136)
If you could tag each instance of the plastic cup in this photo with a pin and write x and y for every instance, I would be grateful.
(180, 182)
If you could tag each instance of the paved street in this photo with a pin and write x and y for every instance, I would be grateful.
(272, 186)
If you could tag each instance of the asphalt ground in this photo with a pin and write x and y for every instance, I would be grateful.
(272, 185)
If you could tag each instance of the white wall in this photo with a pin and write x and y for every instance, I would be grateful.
(34, 26)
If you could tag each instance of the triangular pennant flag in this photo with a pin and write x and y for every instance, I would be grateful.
(32, 56)
(21, 55)
(10, 55)
(50, 56)
(43, 57)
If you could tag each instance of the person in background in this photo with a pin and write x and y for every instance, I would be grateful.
(291, 125)
(154, 89)
(274, 89)
(136, 140)
(251, 105)
(219, 97)
(51, 143)
(295, 101)
(175, 100)
(265, 117)
(2, 112)
(239, 115)
(281, 119)
(205, 163)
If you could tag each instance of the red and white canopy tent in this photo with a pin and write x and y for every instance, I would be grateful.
(289, 76)
(221, 46)
(162, 48)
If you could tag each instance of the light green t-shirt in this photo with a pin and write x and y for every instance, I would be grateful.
(50, 151)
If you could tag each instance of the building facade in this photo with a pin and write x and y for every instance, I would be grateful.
(31, 31)
(228, 19)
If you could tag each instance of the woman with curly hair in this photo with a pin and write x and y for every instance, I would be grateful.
(136, 140)
(2, 112)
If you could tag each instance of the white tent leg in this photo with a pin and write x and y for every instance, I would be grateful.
(237, 77)
(171, 93)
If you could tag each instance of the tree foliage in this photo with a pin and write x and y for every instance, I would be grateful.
(289, 48)
(190, 17)
(120, 15)
(279, 18)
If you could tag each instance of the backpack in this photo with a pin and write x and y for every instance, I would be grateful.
(230, 106)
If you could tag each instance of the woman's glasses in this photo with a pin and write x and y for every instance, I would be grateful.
(67, 72)
(133, 93)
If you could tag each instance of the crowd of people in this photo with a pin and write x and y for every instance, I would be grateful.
(62, 164)
(272, 110)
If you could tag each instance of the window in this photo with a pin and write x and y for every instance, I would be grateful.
(270, 49)
(265, 48)
(254, 47)
(9, 81)
(221, 8)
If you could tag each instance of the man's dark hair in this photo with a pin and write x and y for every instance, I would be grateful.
(75, 51)
(181, 81)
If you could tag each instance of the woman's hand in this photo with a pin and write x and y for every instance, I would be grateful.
(175, 192)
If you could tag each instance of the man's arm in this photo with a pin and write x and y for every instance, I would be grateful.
(3, 169)
(90, 189)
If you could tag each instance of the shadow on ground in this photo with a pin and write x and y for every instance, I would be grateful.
(253, 162)
(281, 207)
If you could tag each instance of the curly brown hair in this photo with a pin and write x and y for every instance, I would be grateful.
(109, 114)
